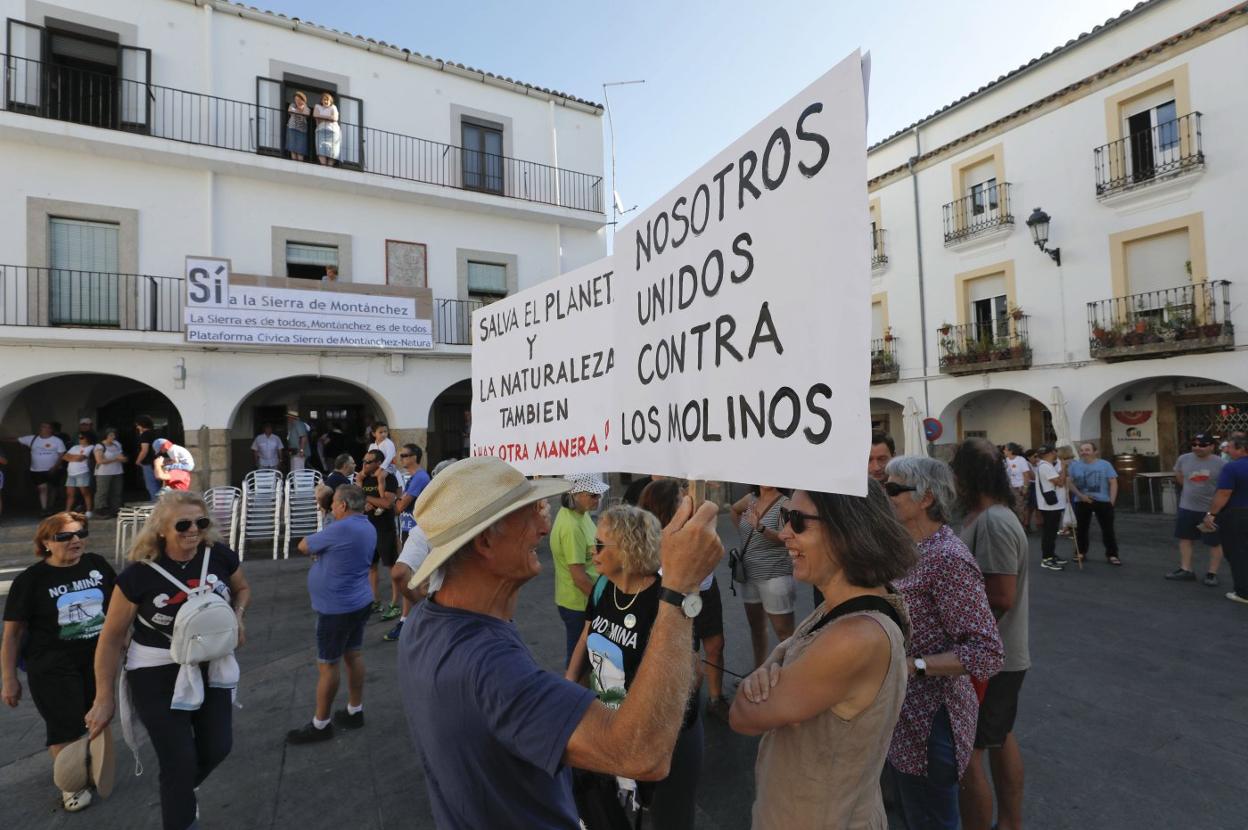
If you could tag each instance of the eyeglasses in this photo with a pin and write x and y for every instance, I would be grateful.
(1202, 444)
(895, 489)
(185, 524)
(66, 535)
(796, 520)
(406, 454)
(372, 460)
(599, 545)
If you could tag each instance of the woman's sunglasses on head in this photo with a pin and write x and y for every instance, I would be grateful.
(185, 524)
(66, 535)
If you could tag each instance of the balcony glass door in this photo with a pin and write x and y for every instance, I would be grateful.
(1154, 140)
(23, 91)
(991, 319)
(351, 123)
(83, 281)
(134, 91)
(483, 157)
(270, 116)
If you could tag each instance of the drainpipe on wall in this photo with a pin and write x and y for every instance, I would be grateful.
(918, 246)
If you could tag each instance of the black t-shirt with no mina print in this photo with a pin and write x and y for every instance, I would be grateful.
(159, 600)
(63, 608)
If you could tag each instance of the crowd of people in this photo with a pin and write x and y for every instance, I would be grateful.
(908, 671)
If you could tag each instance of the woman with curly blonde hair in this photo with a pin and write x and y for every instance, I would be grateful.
(186, 709)
(621, 611)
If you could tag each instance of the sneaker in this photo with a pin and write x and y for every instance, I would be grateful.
(1234, 597)
(393, 634)
(391, 612)
(1182, 575)
(1059, 560)
(89, 515)
(377, 606)
(73, 802)
(347, 720)
(309, 734)
(1051, 563)
(718, 706)
(1211, 579)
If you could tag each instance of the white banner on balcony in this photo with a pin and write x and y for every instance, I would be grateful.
(219, 313)
(728, 337)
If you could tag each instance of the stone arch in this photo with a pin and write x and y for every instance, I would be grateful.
(450, 419)
(109, 399)
(1004, 414)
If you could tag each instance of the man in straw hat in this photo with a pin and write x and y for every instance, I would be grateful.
(498, 734)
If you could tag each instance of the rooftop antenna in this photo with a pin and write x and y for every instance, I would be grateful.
(618, 205)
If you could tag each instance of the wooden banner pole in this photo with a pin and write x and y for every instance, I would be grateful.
(697, 493)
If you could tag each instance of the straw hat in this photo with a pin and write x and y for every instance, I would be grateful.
(466, 498)
(81, 764)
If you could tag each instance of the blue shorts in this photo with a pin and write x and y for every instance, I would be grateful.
(79, 480)
(1185, 527)
(336, 634)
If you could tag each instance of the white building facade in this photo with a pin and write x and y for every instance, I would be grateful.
(138, 133)
(1128, 139)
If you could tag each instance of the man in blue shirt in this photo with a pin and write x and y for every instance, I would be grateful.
(1093, 485)
(342, 598)
(1230, 510)
(417, 479)
(497, 734)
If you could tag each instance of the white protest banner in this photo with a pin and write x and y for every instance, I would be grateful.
(220, 313)
(542, 368)
(737, 319)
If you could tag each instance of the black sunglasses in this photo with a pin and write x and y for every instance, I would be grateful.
(895, 489)
(796, 520)
(184, 525)
(599, 545)
(406, 454)
(1203, 444)
(66, 535)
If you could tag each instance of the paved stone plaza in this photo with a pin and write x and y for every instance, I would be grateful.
(1134, 715)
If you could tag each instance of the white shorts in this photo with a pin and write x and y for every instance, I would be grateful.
(778, 594)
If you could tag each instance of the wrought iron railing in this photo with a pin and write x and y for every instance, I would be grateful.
(1166, 150)
(452, 321)
(884, 366)
(987, 208)
(1193, 317)
(89, 299)
(992, 345)
(878, 256)
(100, 100)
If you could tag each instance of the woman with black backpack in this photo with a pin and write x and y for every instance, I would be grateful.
(182, 599)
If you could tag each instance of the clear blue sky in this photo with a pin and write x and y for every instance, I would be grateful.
(713, 69)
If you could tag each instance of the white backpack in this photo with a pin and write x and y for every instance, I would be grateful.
(206, 627)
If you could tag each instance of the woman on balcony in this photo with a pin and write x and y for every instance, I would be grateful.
(297, 127)
(328, 134)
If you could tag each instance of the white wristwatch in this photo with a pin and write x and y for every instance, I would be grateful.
(920, 667)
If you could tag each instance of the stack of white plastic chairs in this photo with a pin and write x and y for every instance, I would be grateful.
(262, 509)
(302, 518)
(224, 505)
(130, 520)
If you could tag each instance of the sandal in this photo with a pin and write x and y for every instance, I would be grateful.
(73, 802)
(1114, 560)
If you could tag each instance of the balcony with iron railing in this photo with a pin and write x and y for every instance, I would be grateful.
(114, 103)
(1189, 318)
(34, 297)
(884, 368)
(990, 346)
(1169, 150)
(879, 259)
(982, 213)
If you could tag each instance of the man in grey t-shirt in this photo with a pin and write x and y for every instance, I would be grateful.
(1196, 474)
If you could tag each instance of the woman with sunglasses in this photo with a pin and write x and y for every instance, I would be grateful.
(826, 699)
(190, 724)
(953, 638)
(621, 610)
(57, 607)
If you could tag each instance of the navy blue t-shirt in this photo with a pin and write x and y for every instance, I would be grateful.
(338, 580)
(491, 725)
(1234, 477)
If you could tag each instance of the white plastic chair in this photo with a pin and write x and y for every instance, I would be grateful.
(302, 516)
(130, 520)
(224, 505)
(262, 509)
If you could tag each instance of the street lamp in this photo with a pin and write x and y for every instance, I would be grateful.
(1039, 224)
(617, 205)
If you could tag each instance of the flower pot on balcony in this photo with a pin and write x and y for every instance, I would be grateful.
(1141, 326)
(1211, 331)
